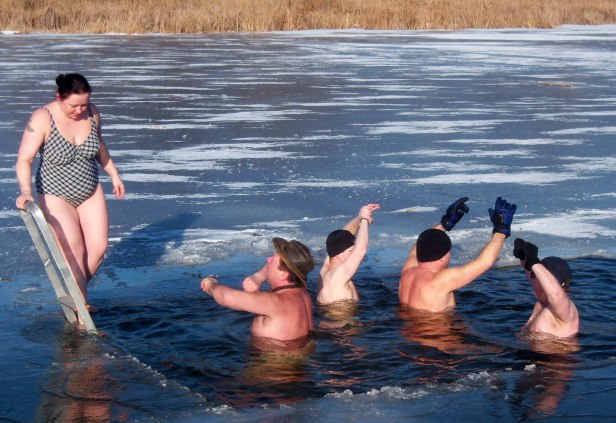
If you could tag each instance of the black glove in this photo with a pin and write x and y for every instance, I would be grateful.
(526, 251)
(502, 216)
(454, 213)
(518, 249)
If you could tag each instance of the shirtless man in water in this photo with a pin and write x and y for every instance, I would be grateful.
(285, 312)
(426, 282)
(345, 253)
(554, 312)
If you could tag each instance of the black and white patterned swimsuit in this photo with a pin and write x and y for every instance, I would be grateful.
(66, 170)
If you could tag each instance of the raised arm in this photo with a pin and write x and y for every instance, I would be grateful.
(546, 287)
(346, 269)
(501, 217)
(558, 301)
(457, 277)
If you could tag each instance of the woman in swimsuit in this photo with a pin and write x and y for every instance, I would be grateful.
(67, 133)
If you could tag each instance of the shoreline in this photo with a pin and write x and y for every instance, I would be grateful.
(10, 32)
(248, 16)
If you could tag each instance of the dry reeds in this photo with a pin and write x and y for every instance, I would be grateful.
(196, 16)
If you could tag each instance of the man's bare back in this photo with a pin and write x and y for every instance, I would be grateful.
(345, 254)
(426, 282)
(418, 289)
(294, 320)
(285, 312)
(332, 290)
(554, 312)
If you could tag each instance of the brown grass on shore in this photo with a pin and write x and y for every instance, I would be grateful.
(196, 16)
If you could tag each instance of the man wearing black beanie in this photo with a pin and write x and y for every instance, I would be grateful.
(427, 283)
(554, 312)
(344, 255)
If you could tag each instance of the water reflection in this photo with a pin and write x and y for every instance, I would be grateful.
(545, 382)
(338, 315)
(441, 344)
(444, 331)
(274, 369)
(342, 355)
(80, 387)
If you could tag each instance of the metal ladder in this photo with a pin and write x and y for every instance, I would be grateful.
(64, 284)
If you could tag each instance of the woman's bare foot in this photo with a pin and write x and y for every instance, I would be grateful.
(91, 309)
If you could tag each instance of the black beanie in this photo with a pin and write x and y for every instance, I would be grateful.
(559, 268)
(339, 241)
(432, 245)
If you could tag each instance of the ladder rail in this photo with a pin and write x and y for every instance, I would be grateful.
(67, 291)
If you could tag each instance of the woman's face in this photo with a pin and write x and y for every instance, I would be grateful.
(75, 105)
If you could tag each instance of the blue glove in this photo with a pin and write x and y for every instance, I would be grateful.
(454, 213)
(526, 251)
(502, 216)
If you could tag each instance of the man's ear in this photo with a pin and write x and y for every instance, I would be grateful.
(284, 275)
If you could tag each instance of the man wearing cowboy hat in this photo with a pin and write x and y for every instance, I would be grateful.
(285, 312)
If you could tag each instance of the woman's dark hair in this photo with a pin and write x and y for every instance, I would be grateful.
(72, 83)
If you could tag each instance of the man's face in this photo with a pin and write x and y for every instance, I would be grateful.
(273, 271)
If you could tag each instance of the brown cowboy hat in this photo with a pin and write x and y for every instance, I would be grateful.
(296, 256)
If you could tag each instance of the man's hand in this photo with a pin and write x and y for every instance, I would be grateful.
(366, 212)
(518, 249)
(250, 284)
(454, 213)
(526, 251)
(207, 284)
(502, 216)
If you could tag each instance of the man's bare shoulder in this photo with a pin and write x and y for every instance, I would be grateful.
(449, 279)
(408, 274)
(290, 296)
(419, 276)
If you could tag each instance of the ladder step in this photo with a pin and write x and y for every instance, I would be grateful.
(67, 300)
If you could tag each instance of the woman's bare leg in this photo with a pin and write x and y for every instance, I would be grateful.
(94, 222)
(64, 221)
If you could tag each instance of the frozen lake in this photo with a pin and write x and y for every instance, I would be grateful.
(226, 140)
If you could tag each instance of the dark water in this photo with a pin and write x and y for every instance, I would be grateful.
(204, 347)
(174, 355)
(227, 140)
